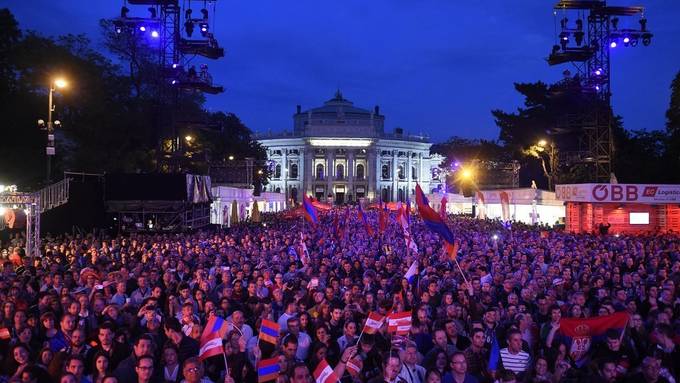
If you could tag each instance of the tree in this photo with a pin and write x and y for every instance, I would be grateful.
(673, 130)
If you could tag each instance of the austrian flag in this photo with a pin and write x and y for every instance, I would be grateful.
(373, 323)
(324, 373)
(399, 323)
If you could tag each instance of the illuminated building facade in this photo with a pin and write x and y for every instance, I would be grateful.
(341, 152)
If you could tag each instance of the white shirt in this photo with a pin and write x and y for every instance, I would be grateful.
(412, 374)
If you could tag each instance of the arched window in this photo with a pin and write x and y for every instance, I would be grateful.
(319, 171)
(414, 175)
(277, 171)
(400, 171)
(340, 171)
(360, 171)
(400, 195)
(386, 172)
(294, 171)
(293, 194)
(278, 190)
(385, 195)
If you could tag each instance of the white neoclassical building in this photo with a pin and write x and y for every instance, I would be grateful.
(342, 152)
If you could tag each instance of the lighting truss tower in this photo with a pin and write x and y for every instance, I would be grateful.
(587, 42)
(180, 34)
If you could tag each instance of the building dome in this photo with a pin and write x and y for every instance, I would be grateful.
(339, 106)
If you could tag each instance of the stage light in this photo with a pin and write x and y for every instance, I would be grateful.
(495, 237)
(204, 28)
(189, 28)
(597, 87)
(643, 25)
(542, 143)
(613, 44)
(173, 82)
(155, 34)
(626, 40)
(231, 158)
(124, 11)
(615, 23)
(152, 11)
(119, 30)
(204, 12)
(174, 66)
(634, 41)
(188, 138)
(598, 72)
(646, 39)
(142, 28)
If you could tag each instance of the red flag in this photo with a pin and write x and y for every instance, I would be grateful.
(442, 208)
(323, 373)
(373, 323)
(582, 332)
(382, 219)
(399, 323)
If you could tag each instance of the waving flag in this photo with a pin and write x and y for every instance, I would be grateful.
(215, 325)
(582, 332)
(323, 373)
(354, 366)
(362, 215)
(211, 339)
(309, 210)
(431, 219)
(442, 209)
(269, 331)
(399, 323)
(382, 218)
(304, 256)
(373, 323)
(410, 243)
(411, 272)
(268, 369)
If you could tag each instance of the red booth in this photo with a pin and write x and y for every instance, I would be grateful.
(629, 208)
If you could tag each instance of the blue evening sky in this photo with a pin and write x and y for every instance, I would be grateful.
(434, 66)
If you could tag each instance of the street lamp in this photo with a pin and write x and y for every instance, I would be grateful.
(57, 83)
(550, 149)
(188, 138)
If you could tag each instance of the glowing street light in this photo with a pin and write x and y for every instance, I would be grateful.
(231, 158)
(57, 83)
(188, 138)
(542, 143)
(466, 173)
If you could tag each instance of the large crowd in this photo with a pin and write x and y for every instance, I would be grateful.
(133, 308)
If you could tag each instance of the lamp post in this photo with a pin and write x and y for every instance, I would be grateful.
(58, 83)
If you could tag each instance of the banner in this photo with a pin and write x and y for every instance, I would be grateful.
(505, 206)
(632, 193)
(581, 333)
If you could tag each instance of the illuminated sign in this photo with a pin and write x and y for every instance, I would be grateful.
(340, 142)
(637, 193)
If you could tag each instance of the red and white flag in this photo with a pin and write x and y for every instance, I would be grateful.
(210, 346)
(5, 334)
(399, 323)
(373, 323)
(354, 367)
(324, 373)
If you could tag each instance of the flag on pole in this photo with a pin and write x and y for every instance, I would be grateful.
(411, 272)
(581, 333)
(324, 373)
(373, 323)
(269, 331)
(354, 367)
(268, 369)
(382, 218)
(362, 215)
(210, 346)
(431, 219)
(216, 325)
(452, 250)
(442, 208)
(309, 210)
(304, 256)
(399, 323)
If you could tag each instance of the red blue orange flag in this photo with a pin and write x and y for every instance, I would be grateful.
(269, 331)
(362, 215)
(268, 369)
(309, 210)
(430, 217)
(582, 333)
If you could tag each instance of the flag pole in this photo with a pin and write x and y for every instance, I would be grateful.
(226, 366)
(461, 271)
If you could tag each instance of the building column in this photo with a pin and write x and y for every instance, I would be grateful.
(309, 171)
(284, 173)
(395, 175)
(301, 172)
(421, 175)
(350, 174)
(372, 159)
(329, 172)
(408, 177)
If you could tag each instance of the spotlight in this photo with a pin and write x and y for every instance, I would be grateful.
(626, 40)
(564, 36)
(578, 36)
(204, 12)
(124, 11)
(598, 72)
(643, 25)
(613, 44)
(646, 39)
(173, 82)
(152, 11)
(142, 28)
(155, 34)
(597, 87)
(204, 28)
(189, 27)
(118, 27)
(615, 23)
(174, 66)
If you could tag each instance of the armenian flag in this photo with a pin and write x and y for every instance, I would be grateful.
(268, 369)
(362, 215)
(309, 210)
(430, 217)
(269, 331)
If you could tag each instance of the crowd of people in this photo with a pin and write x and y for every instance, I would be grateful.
(133, 308)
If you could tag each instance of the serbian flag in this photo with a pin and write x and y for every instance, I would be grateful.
(399, 323)
(442, 209)
(269, 331)
(430, 217)
(373, 323)
(268, 369)
(309, 210)
(362, 215)
(581, 333)
(323, 373)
